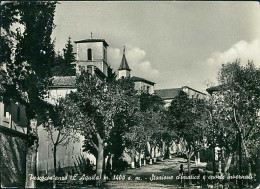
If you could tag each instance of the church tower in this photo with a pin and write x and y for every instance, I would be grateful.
(124, 70)
(91, 53)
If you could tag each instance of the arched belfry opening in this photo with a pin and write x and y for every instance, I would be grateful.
(89, 54)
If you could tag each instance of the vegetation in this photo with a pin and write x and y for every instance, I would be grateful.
(59, 132)
(62, 63)
(235, 114)
(185, 115)
(28, 56)
(113, 117)
(93, 110)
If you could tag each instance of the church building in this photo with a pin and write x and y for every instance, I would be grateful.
(91, 56)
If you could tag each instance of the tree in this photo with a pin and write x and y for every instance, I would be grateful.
(92, 110)
(146, 133)
(28, 69)
(69, 55)
(237, 109)
(59, 132)
(184, 113)
(59, 65)
(62, 64)
(7, 18)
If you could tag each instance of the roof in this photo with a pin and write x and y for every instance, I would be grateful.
(172, 93)
(124, 64)
(142, 80)
(92, 41)
(64, 81)
(168, 93)
(70, 81)
(211, 90)
(194, 90)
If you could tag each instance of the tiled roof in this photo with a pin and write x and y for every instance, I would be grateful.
(64, 81)
(92, 40)
(168, 93)
(124, 64)
(142, 79)
(70, 81)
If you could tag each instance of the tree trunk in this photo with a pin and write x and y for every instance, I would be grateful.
(214, 165)
(240, 161)
(140, 159)
(247, 159)
(258, 168)
(109, 165)
(133, 158)
(154, 154)
(198, 158)
(55, 164)
(1, 147)
(31, 156)
(226, 169)
(100, 161)
(166, 151)
(169, 151)
(189, 168)
(219, 167)
(162, 150)
(31, 161)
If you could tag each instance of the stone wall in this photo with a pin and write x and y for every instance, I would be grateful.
(13, 148)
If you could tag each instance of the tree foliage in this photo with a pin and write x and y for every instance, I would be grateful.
(236, 110)
(62, 63)
(99, 108)
(185, 114)
(28, 66)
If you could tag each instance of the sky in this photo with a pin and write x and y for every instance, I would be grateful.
(171, 43)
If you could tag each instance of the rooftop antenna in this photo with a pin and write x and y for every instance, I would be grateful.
(124, 49)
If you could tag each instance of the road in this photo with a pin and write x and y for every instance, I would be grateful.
(159, 175)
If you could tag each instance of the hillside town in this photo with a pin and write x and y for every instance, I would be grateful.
(77, 119)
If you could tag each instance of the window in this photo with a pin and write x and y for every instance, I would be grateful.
(7, 108)
(89, 54)
(148, 88)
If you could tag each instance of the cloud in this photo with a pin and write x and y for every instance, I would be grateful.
(241, 50)
(114, 57)
(137, 61)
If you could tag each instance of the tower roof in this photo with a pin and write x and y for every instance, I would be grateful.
(92, 41)
(124, 64)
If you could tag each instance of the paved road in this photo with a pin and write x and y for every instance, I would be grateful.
(159, 175)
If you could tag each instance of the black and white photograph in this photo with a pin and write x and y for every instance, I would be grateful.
(130, 94)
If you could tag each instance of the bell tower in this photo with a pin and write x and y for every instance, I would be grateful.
(91, 54)
(124, 70)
